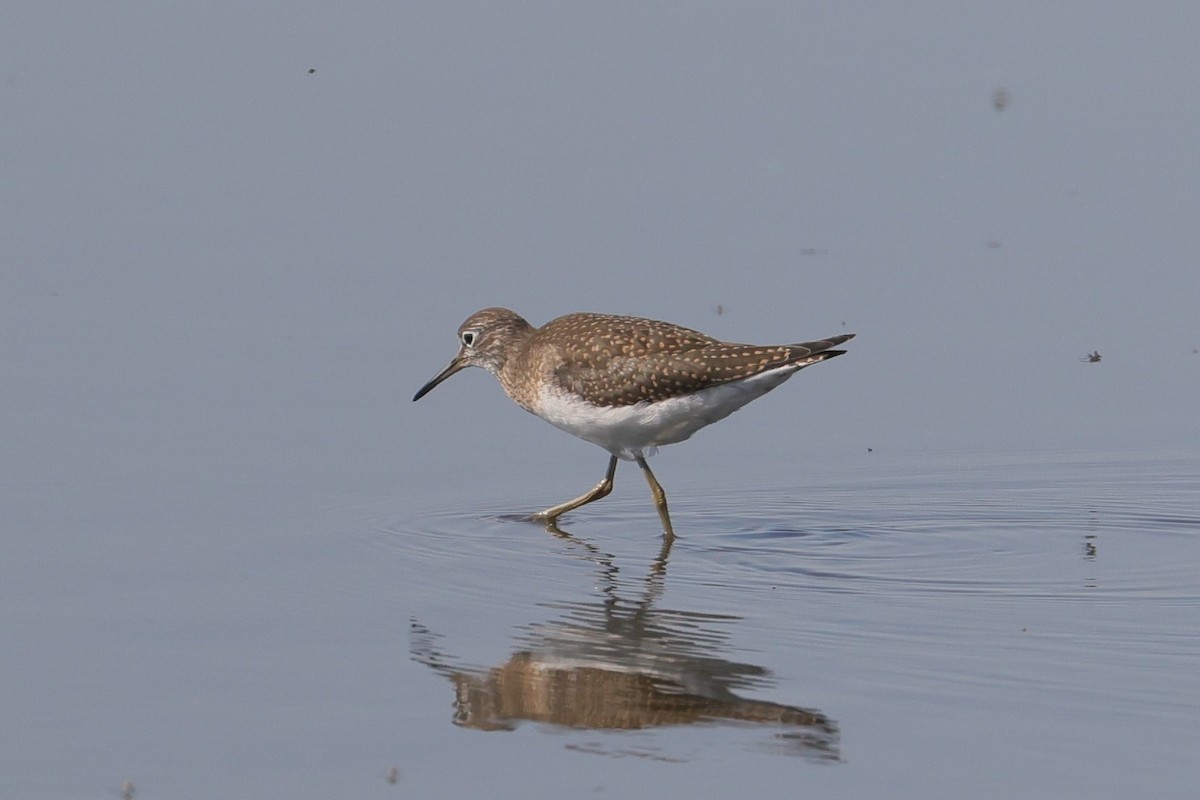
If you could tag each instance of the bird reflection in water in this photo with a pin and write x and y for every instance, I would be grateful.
(615, 664)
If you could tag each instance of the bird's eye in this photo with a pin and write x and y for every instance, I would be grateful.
(468, 338)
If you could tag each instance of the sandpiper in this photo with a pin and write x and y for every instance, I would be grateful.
(627, 384)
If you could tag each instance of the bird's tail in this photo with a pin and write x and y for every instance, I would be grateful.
(806, 353)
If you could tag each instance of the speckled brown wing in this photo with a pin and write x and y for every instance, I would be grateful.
(632, 361)
(584, 336)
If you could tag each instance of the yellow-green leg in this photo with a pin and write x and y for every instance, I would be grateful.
(660, 498)
(550, 515)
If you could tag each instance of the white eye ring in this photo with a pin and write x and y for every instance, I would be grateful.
(468, 338)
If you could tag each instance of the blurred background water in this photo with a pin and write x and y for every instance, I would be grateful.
(961, 560)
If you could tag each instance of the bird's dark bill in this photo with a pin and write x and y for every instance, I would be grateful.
(451, 368)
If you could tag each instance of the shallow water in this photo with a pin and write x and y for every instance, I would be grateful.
(954, 624)
(235, 561)
(938, 625)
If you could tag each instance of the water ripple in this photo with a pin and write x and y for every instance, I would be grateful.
(1067, 534)
(1018, 542)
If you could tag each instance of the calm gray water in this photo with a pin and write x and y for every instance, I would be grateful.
(943, 625)
(236, 561)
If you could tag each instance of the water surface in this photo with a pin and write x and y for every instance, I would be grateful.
(1024, 623)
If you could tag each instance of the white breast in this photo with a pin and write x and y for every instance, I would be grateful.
(627, 431)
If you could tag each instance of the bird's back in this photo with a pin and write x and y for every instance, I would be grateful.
(619, 361)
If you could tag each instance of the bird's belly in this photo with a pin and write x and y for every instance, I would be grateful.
(627, 431)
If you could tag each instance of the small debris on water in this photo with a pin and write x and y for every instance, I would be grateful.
(1001, 98)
